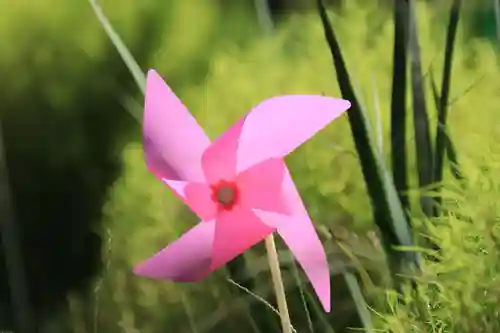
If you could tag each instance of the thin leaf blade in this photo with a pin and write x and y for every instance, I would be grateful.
(388, 213)
(420, 117)
(450, 148)
(126, 55)
(398, 102)
(443, 141)
(359, 302)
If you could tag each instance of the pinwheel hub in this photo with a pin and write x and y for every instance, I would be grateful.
(225, 194)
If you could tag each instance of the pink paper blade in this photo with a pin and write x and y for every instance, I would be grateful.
(219, 160)
(173, 140)
(277, 126)
(238, 230)
(262, 186)
(187, 259)
(300, 236)
(235, 233)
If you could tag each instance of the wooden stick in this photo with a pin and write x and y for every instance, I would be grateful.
(279, 289)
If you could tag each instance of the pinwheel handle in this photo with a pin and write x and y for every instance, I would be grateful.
(279, 288)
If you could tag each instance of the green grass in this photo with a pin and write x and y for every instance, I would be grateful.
(462, 291)
(458, 294)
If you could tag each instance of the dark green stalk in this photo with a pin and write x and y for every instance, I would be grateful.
(420, 117)
(11, 241)
(496, 6)
(388, 213)
(398, 102)
(451, 152)
(443, 141)
(264, 16)
(360, 302)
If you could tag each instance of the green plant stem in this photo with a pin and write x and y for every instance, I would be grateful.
(264, 16)
(496, 6)
(421, 124)
(443, 141)
(279, 288)
(122, 49)
(399, 153)
(387, 210)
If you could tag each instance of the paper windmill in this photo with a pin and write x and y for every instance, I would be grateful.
(239, 185)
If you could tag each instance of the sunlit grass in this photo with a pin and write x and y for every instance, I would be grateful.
(460, 293)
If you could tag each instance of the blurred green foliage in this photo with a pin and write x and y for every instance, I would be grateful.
(62, 89)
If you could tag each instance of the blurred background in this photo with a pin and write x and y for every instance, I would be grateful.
(85, 207)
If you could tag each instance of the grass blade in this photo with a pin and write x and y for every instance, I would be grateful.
(264, 16)
(133, 107)
(259, 298)
(325, 325)
(298, 281)
(451, 152)
(388, 213)
(496, 6)
(398, 102)
(378, 119)
(420, 117)
(125, 54)
(359, 302)
(443, 142)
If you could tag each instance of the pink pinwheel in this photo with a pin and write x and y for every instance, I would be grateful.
(239, 185)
